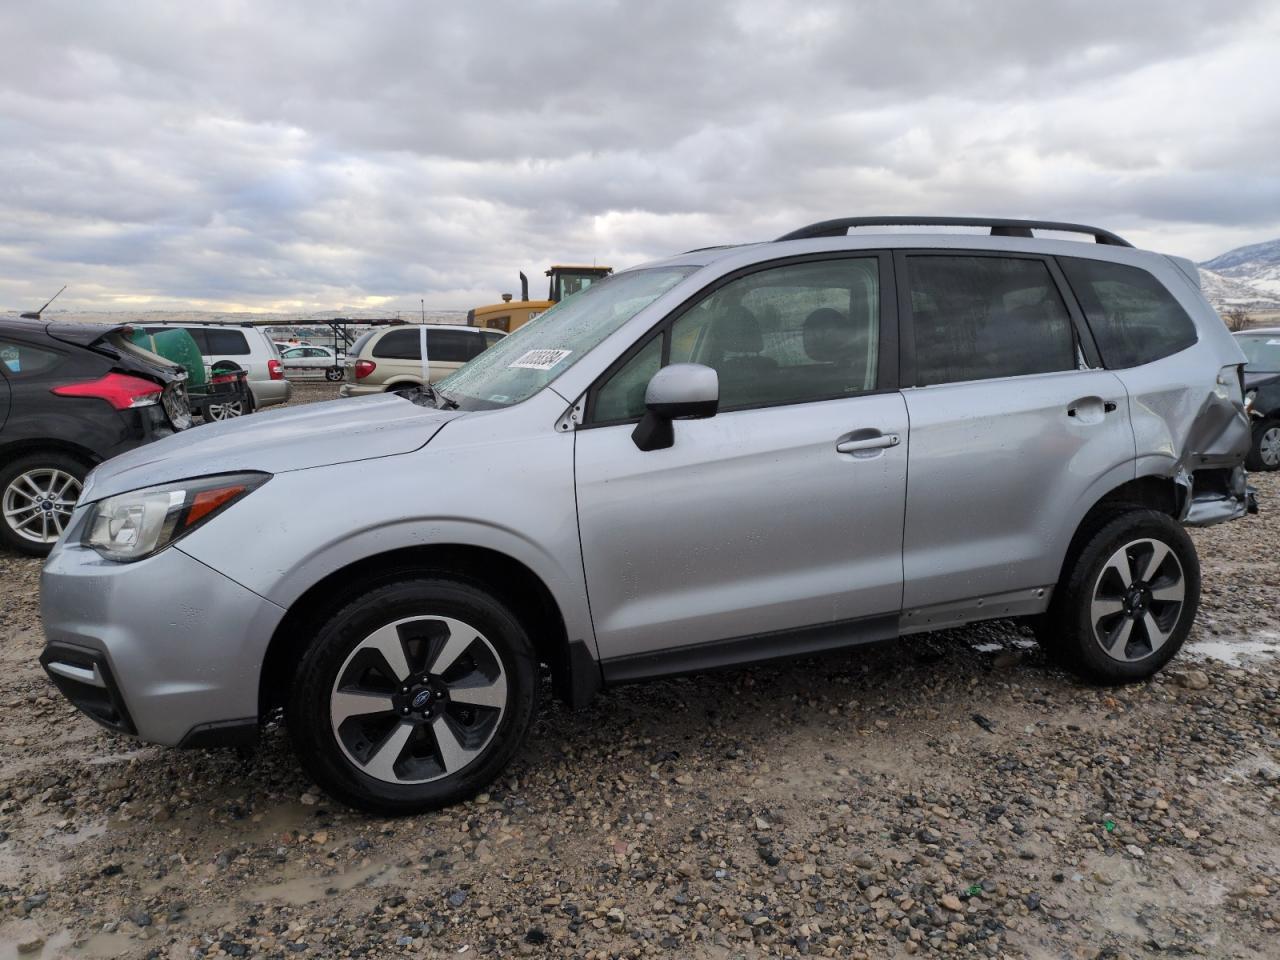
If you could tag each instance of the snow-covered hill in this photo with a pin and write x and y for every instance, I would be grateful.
(1256, 265)
(1223, 291)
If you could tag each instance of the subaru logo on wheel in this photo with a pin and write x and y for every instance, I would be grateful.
(421, 699)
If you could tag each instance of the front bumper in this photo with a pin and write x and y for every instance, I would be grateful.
(358, 390)
(166, 648)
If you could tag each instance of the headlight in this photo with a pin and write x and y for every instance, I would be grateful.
(135, 525)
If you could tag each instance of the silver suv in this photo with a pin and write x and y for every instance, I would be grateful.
(731, 455)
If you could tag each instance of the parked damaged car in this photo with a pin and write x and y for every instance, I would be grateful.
(1262, 395)
(71, 396)
(732, 455)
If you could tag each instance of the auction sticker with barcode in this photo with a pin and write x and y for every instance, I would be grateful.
(539, 359)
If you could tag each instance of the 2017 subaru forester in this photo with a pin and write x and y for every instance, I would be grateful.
(731, 455)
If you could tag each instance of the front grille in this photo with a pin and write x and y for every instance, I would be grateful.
(84, 677)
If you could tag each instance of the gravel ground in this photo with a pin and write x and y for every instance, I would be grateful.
(945, 794)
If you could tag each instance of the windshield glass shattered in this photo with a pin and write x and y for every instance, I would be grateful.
(520, 365)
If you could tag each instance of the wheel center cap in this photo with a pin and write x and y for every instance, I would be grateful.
(421, 699)
(46, 505)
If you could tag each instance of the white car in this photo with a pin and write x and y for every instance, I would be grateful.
(248, 347)
(304, 363)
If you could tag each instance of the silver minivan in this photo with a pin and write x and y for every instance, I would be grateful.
(735, 454)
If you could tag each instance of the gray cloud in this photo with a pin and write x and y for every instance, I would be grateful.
(308, 155)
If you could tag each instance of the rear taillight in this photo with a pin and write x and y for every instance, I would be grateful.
(274, 370)
(120, 390)
(364, 368)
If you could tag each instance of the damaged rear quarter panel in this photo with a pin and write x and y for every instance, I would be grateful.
(1183, 419)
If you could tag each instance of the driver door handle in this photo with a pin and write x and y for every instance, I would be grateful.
(871, 443)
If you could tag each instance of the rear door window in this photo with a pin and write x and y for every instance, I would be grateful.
(980, 318)
(1134, 319)
(399, 345)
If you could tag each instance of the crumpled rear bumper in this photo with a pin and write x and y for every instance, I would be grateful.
(1215, 496)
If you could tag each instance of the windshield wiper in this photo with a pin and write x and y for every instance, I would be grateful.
(446, 402)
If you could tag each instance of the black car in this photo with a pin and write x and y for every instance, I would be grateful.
(71, 396)
(1262, 395)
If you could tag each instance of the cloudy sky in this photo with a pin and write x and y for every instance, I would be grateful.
(308, 156)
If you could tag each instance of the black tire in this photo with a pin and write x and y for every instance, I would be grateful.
(43, 461)
(333, 374)
(1263, 449)
(345, 637)
(1068, 631)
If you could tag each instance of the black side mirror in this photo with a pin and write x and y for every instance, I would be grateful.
(680, 391)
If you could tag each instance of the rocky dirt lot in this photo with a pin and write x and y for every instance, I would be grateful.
(947, 794)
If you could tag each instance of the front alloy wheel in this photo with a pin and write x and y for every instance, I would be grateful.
(412, 696)
(418, 699)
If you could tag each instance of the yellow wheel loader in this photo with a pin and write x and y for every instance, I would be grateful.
(511, 314)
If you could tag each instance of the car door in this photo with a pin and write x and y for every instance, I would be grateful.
(1014, 435)
(774, 527)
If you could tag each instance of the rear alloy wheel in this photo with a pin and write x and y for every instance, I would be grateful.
(333, 374)
(414, 696)
(37, 496)
(1127, 599)
(1265, 452)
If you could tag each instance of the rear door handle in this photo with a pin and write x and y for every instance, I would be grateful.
(871, 443)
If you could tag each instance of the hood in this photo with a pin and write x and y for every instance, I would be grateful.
(318, 434)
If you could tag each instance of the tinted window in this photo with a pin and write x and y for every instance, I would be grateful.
(976, 318)
(224, 343)
(21, 359)
(1134, 319)
(491, 338)
(790, 334)
(452, 346)
(399, 345)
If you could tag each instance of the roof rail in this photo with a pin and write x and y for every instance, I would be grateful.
(999, 227)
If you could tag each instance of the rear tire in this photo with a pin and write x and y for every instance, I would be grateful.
(38, 491)
(1126, 600)
(1264, 451)
(414, 696)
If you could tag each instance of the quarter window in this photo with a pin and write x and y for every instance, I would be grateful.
(977, 318)
(221, 343)
(1134, 319)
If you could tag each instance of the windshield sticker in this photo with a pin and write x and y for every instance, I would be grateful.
(538, 359)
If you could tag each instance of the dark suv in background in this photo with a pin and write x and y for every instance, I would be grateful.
(1262, 394)
(71, 396)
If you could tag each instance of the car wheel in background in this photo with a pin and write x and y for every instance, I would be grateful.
(38, 492)
(414, 696)
(1264, 453)
(333, 374)
(1127, 599)
(226, 411)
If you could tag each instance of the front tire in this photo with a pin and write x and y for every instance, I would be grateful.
(414, 696)
(1127, 600)
(1264, 452)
